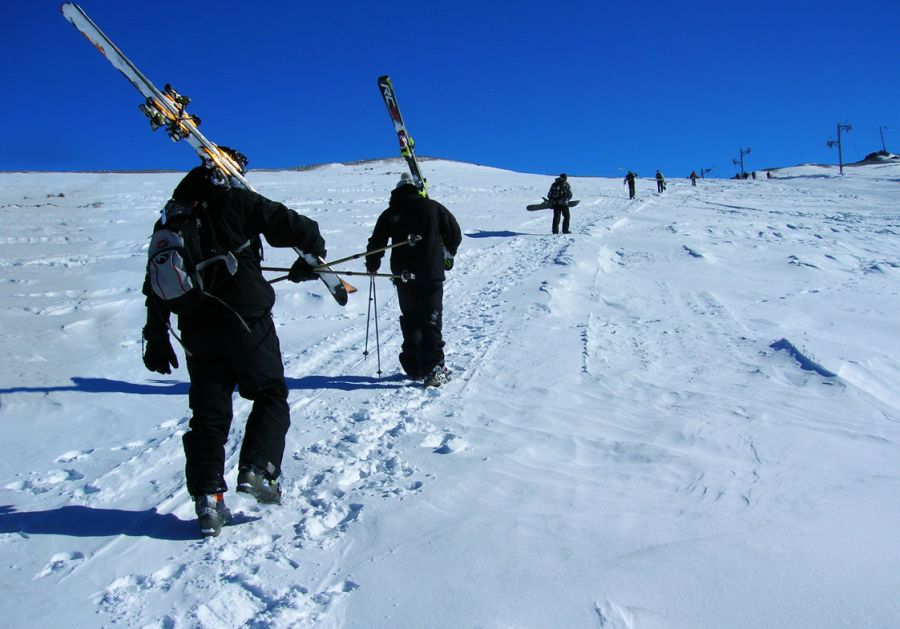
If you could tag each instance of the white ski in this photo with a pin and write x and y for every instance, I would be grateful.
(165, 108)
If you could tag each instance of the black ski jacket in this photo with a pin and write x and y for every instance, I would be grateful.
(560, 193)
(230, 218)
(410, 213)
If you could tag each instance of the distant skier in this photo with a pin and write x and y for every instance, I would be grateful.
(420, 299)
(660, 182)
(629, 181)
(693, 178)
(559, 196)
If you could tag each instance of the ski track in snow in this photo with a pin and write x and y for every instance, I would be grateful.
(669, 363)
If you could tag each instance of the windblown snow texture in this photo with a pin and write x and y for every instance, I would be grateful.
(620, 446)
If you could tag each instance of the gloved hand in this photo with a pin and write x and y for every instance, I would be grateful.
(448, 259)
(317, 248)
(373, 264)
(158, 353)
(302, 271)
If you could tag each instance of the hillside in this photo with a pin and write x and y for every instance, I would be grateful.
(627, 442)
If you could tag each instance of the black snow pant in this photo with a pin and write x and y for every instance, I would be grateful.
(561, 210)
(225, 356)
(421, 320)
(631, 191)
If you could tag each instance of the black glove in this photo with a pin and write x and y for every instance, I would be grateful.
(373, 264)
(317, 247)
(448, 259)
(302, 271)
(158, 353)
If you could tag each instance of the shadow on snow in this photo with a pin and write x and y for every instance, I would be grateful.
(168, 387)
(498, 234)
(80, 521)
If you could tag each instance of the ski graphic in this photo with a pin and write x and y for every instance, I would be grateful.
(166, 108)
(407, 146)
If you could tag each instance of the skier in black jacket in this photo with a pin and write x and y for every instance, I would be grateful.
(629, 181)
(559, 196)
(421, 298)
(229, 339)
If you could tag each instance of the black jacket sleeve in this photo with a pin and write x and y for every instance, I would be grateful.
(451, 235)
(281, 226)
(380, 236)
(157, 316)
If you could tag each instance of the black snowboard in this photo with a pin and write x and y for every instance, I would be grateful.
(546, 205)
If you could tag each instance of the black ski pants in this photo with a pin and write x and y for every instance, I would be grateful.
(421, 321)
(225, 356)
(561, 211)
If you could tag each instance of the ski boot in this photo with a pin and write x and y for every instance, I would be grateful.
(438, 376)
(253, 481)
(212, 514)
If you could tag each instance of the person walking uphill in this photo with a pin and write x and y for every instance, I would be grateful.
(629, 180)
(226, 329)
(421, 298)
(559, 196)
(660, 182)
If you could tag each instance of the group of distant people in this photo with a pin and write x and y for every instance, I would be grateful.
(560, 194)
(752, 175)
(631, 177)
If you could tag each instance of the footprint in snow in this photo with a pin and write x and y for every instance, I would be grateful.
(444, 444)
(74, 455)
(61, 563)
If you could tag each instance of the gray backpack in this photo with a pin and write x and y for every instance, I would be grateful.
(178, 274)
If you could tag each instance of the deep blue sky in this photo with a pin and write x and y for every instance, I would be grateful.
(590, 88)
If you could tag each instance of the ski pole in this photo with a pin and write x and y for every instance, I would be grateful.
(411, 240)
(404, 277)
(377, 339)
(369, 317)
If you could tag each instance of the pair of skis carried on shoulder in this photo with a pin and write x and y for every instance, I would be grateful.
(166, 109)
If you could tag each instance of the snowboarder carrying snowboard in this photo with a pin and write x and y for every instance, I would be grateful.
(629, 180)
(227, 330)
(421, 298)
(559, 196)
(660, 182)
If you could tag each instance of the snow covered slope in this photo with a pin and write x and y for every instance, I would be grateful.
(685, 414)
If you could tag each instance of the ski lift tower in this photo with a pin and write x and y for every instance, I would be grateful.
(832, 143)
(745, 151)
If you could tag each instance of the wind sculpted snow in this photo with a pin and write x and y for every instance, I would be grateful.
(624, 442)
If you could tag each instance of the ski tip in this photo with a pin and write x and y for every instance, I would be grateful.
(340, 294)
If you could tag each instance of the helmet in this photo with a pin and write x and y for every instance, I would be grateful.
(239, 158)
(563, 176)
